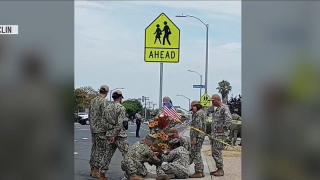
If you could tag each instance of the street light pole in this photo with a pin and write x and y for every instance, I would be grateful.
(200, 81)
(112, 91)
(207, 44)
(186, 98)
(206, 75)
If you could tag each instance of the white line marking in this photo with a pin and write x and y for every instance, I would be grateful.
(75, 140)
(132, 132)
(75, 152)
(84, 138)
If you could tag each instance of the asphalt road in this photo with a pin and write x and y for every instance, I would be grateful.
(82, 148)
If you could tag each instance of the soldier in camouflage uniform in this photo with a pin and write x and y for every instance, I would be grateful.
(139, 153)
(220, 124)
(199, 118)
(235, 127)
(174, 134)
(115, 133)
(178, 162)
(97, 128)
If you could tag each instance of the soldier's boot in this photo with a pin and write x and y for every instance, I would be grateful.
(197, 175)
(219, 172)
(212, 173)
(95, 173)
(171, 176)
(163, 177)
(135, 177)
(102, 177)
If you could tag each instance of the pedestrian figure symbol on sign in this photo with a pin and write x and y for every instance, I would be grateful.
(205, 100)
(158, 34)
(167, 32)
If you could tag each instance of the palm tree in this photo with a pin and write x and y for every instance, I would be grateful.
(224, 88)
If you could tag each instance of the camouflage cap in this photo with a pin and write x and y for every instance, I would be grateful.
(117, 93)
(172, 131)
(193, 103)
(150, 137)
(173, 141)
(215, 97)
(104, 88)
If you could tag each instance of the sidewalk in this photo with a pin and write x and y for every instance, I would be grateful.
(232, 165)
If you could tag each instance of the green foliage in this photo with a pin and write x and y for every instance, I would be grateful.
(224, 89)
(83, 97)
(132, 106)
(79, 99)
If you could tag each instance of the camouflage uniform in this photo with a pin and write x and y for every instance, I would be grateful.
(221, 121)
(115, 114)
(235, 128)
(138, 154)
(97, 128)
(185, 142)
(178, 163)
(199, 122)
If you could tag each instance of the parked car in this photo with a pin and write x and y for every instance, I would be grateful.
(83, 118)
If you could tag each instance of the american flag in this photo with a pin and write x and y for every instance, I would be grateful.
(170, 111)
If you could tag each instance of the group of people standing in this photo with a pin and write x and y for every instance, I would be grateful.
(108, 134)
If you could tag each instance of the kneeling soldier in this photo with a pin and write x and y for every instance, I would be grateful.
(178, 162)
(139, 153)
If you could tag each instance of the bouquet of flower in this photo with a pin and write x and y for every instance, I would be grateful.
(156, 126)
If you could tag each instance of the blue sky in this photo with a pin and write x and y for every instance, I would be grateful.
(109, 47)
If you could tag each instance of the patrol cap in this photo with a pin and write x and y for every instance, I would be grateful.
(104, 88)
(173, 141)
(215, 97)
(193, 103)
(150, 137)
(117, 93)
(172, 131)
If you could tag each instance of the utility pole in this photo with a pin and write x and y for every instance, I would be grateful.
(149, 106)
(154, 105)
(145, 99)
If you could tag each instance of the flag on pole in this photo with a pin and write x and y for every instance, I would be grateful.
(170, 111)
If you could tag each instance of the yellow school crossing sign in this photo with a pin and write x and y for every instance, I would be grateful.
(205, 100)
(162, 41)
